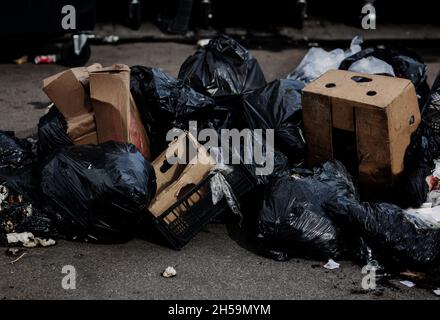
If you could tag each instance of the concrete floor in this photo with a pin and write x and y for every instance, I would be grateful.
(212, 266)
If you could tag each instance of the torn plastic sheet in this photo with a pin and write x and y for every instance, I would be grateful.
(220, 187)
(372, 65)
(318, 61)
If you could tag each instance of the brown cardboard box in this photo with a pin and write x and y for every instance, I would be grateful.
(116, 114)
(375, 114)
(69, 91)
(175, 180)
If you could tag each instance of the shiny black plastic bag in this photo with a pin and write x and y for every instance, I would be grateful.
(421, 153)
(278, 106)
(405, 63)
(52, 132)
(293, 221)
(397, 238)
(164, 102)
(19, 190)
(222, 68)
(98, 193)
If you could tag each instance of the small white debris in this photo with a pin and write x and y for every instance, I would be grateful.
(408, 283)
(331, 264)
(203, 42)
(28, 240)
(437, 292)
(169, 272)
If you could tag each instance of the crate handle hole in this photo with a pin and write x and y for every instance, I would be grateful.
(371, 93)
(361, 79)
(165, 166)
(411, 120)
(330, 85)
(185, 189)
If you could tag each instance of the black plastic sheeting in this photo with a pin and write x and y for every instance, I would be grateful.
(405, 63)
(52, 132)
(222, 68)
(19, 190)
(420, 154)
(98, 193)
(164, 102)
(397, 238)
(278, 106)
(293, 221)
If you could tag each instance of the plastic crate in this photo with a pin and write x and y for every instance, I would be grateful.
(185, 225)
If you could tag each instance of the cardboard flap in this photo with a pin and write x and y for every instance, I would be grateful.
(81, 125)
(110, 94)
(68, 94)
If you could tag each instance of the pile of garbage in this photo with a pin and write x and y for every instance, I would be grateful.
(99, 172)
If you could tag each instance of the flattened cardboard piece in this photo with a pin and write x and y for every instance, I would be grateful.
(69, 90)
(175, 180)
(116, 114)
(381, 111)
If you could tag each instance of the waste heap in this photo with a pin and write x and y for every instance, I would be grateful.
(100, 170)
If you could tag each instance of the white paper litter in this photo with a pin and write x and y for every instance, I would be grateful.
(407, 283)
(331, 264)
(28, 240)
(169, 272)
(437, 292)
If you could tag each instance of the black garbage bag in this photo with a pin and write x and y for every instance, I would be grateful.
(397, 238)
(14, 153)
(19, 214)
(293, 220)
(52, 132)
(420, 154)
(165, 102)
(98, 193)
(16, 164)
(18, 190)
(278, 106)
(406, 64)
(222, 68)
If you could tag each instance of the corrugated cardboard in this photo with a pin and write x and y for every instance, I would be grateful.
(116, 115)
(381, 111)
(173, 181)
(69, 90)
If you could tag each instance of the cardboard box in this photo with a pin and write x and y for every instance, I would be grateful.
(175, 180)
(117, 117)
(69, 90)
(365, 121)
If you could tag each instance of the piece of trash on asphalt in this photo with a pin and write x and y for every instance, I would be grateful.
(202, 42)
(19, 258)
(331, 264)
(407, 283)
(437, 292)
(14, 252)
(169, 272)
(28, 240)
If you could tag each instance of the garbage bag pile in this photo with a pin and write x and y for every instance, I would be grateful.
(99, 193)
